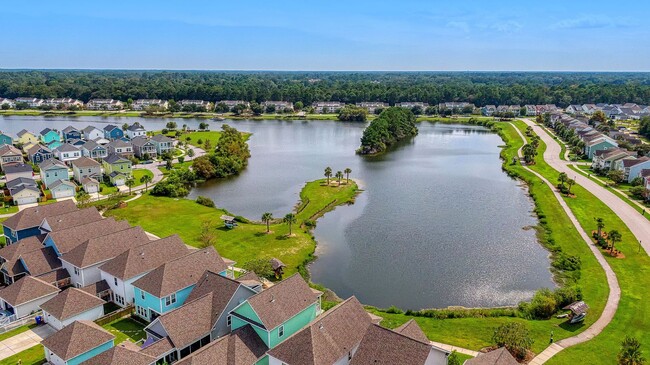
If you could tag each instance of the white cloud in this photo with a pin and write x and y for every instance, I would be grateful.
(459, 25)
(509, 26)
(591, 22)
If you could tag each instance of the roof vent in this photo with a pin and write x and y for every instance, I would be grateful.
(272, 298)
(320, 325)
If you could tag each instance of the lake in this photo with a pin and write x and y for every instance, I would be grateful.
(438, 223)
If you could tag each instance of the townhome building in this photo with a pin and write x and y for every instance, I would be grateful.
(597, 143)
(373, 107)
(31, 102)
(233, 103)
(632, 168)
(9, 102)
(83, 261)
(142, 104)
(279, 106)
(606, 159)
(415, 104)
(199, 104)
(327, 106)
(168, 286)
(488, 110)
(64, 102)
(129, 266)
(104, 104)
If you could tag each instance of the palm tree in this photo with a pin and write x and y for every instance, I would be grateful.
(630, 353)
(267, 218)
(339, 175)
(146, 179)
(347, 172)
(289, 219)
(600, 224)
(328, 174)
(190, 153)
(614, 237)
(562, 179)
(130, 182)
(570, 183)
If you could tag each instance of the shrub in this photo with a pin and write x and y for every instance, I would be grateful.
(637, 181)
(515, 337)
(542, 306)
(241, 219)
(205, 201)
(567, 263)
(637, 191)
(309, 223)
(567, 295)
(262, 267)
(394, 310)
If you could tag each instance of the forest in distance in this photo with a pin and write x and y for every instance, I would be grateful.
(480, 88)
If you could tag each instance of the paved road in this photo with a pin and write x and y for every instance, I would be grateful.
(614, 289)
(639, 225)
(24, 340)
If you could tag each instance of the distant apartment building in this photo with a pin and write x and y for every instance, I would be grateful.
(66, 102)
(31, 102)
(232, 103)
(455, 105)
(412, 104)
(372, 106)
(5, 101)
(142, 104)
(196, 103)
(279, 105)
(327, 106)
(104, 104)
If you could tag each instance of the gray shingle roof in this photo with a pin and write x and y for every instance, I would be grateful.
(76, 339)
(70, 303)
(500, 356)
(242, 346)
(100, 249)
(32, 217)
(17, 168)
(25, 290)
(114, 158)
(85, 162)
(68, 238)
(383, 346)
(73, 218)
(125, 353)
(52, 163)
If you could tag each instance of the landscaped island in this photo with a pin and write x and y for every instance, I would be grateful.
(393, 125)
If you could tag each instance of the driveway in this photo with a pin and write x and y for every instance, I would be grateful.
(638, 224)
(24, 340)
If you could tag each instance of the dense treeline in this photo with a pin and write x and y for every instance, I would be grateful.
(392, 125)
(480, 88)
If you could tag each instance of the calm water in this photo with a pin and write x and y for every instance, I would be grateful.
(438, 224)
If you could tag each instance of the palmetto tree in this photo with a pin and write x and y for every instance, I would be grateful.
(328, 174)
(289, 219)
(190, 153)
(614, 237)
(267, 218)
(570, 183)
(600, 224)
(347, 172)
(146, 179)
(339, 176)
(562, 179)
(630, 353)
(130, 182)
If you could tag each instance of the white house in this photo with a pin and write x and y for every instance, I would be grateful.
(91, 133)
(72, 305)
(26, 295)
(135, 130)
(67, 152)
(63, 189)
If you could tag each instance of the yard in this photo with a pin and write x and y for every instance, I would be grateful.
(32, 356)
(245, 242)
(194, 137)
(138, 174)
(126, 329)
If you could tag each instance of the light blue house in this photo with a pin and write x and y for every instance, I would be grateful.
(76, 343)
(598, 143)
(279, 311)
(51, 138)
(5, 139)
(168, 286)
(113, 132)
(52, 171)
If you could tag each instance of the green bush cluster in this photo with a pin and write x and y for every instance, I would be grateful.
(205, 201)
(392, 125)
(229, 157)
(546, 303)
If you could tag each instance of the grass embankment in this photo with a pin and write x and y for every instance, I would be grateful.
(247, 241)
(16, 331)
(453, 119)
(557, 233)
(32, 356)
(633, 272)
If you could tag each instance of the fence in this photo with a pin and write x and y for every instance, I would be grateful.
(120, 313)
(12, 322)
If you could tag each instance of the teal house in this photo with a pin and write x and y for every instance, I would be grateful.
(5, 139)
(52, 171)
(598, 143)
(51, 138)
(76, 343)
(168, 286)
(279, 311)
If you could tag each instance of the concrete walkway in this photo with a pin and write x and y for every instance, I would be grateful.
(638, 224)
(614, 289)
(451, 348)
(24, 341)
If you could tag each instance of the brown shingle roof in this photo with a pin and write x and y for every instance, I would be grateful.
(144, 258)
(122, 354)
(32, 217)
(41, 261)
(158, 348)
(71, 302)
(96, 288)
(69, 238)
(26, 289)
(73, 219)
(250, 279)
(500, 356)
(412, 330)
(181, 272)
(327, 338)
(205, 304)
(85, 162)
(76, 339)
(11, 253)
(381, 346)
(54, 276)
(282, 301)
(100, 249)
(242, 346)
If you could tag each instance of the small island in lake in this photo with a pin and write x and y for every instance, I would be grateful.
(393, 125)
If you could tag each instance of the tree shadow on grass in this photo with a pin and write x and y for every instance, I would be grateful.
(282, 237)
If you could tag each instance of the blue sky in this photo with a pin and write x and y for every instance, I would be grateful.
(327, 35)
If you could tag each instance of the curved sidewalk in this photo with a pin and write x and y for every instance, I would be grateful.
(638, 224)
(614, 289)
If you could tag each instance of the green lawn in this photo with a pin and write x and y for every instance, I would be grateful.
(245, 242)
(126, 329)
(138, 174)
(32, 356)
(8, 209)
(16, 331)
(194, 137)
(105, 189)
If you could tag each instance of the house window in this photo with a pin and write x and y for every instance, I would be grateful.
(142, 294)
(281, 331)
(115, 281)
(170, 299)
(229, 321)
(349, 355)
(76, 270)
